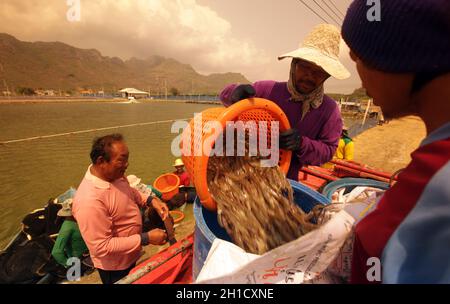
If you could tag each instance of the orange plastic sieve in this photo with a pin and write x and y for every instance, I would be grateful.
(253, 109)
(168, 185)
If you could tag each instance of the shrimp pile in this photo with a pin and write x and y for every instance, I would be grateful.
(255, 204)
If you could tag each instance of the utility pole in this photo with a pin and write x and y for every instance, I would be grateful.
(4, 82)
(165, 85)
(159, 87)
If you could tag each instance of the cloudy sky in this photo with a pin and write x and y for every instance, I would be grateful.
(214, 36)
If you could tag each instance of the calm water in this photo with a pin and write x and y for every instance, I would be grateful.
(32, 172)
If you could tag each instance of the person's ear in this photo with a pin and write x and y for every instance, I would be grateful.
(353, 56)
(99, 160)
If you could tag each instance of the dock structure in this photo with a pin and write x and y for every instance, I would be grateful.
(132, 92)
(360, 107)
(372, 110)
(349, 105)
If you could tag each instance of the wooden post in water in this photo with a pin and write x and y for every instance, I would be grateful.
(367, 111)
(380, 117)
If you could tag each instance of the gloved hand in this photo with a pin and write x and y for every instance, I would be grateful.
(242, 91)
(290, 140)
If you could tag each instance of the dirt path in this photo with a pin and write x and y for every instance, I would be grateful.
(388, 147)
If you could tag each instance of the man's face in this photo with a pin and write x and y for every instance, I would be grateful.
(179, 169)
(118, 164)
(389, 91)
(308, 76)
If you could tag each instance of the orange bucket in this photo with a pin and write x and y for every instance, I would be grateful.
(253, 109)
(168, 185)
(177, 216)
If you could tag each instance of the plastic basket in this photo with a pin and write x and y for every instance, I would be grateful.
(168, 185)
(253, 109)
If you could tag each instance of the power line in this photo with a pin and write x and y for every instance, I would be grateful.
(334, 5)
(313, 11)
(339, 17)
(337, 22)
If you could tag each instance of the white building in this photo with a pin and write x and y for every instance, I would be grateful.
(132, 92)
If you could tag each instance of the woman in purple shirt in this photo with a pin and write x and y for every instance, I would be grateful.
(314, 117)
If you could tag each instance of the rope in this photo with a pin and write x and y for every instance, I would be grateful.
(88, 131)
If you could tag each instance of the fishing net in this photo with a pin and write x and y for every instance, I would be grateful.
(26, 262)
(43, 221)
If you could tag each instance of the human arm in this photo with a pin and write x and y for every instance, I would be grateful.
(58, 251)
(146, 200)
(155, 192)
(236, 92)
(319, 150)
(96, 227)
(418, 250)
(160, 207)
(312, 151)
(154, 237)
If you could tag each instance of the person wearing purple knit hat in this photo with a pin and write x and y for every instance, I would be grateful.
(404, 64)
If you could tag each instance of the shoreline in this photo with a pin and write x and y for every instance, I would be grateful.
(100, 100)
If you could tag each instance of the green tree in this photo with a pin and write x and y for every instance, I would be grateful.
(174, 92)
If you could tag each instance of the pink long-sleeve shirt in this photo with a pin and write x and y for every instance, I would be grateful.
(110, 220)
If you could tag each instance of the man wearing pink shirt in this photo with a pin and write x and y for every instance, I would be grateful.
(107, 211)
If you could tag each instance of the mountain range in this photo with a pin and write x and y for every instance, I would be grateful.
(59, 66)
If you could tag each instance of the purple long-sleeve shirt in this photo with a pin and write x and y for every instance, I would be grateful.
(320, 129)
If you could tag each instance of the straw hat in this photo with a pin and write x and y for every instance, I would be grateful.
(178, 163)
(321, 47)
(133, 180)
(66, 209)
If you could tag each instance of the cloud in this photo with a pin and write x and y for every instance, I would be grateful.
(180, 29)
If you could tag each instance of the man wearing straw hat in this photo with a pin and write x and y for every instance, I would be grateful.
(314, 117)
(185, 181)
